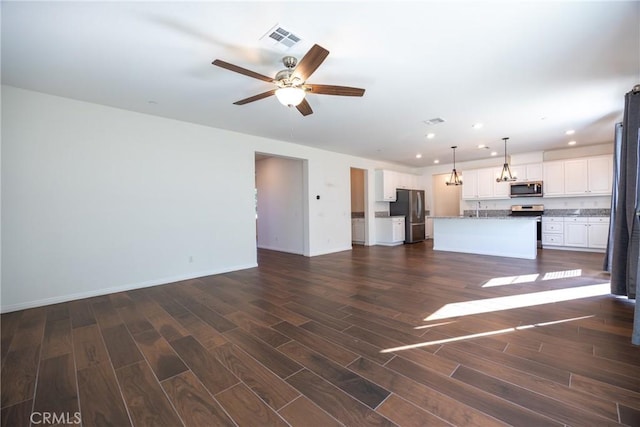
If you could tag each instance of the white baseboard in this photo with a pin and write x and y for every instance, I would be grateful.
(275, 248)
(128, 287)
(331, 251)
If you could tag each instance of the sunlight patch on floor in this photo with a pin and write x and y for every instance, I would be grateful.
(489, 305)
(562, 274)
(482, 334)
(433, 325)
(511, 280)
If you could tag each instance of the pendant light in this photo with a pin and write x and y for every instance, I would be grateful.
(506, 175)
(454, 179)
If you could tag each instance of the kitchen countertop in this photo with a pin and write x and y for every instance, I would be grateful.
(576, 216)
(486, 217)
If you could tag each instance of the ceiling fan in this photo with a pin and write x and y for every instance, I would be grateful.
(292, 83)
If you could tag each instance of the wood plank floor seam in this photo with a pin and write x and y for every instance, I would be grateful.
(110, 367)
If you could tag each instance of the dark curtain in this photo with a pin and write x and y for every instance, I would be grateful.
(623, 249)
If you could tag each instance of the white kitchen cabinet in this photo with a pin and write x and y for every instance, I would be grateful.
(390, 231)
(553, 178)
(527, 172)
(480, 184)
(406, 181)
(598, 232)
(576, 232)
(600, 175)
(552, 231)
(470, 185)
(534, 171)
(386, 181)
(501, 190)
(589, 176)
(357, 230)
(486, 182)
(576, 178)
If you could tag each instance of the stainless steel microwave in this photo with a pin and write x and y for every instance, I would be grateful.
(526, 189)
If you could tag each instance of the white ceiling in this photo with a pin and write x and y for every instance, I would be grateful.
(528, 71)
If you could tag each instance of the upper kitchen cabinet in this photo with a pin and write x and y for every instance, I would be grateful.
(407, 181)
(386, 185)
(553, 179)
(388, 181)
(527, 172)
(470, 185)
(600, 175)
(480, 184)
(589, 176)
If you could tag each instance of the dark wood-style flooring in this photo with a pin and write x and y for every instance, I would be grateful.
(370, 337)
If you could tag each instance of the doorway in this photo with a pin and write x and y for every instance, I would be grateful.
(281, 204)
(446, 198)
(358, 206)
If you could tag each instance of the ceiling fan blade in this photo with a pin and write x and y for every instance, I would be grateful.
(241, 70)
(256, 97)
(335, 90)
(310, 62)
(304, 108)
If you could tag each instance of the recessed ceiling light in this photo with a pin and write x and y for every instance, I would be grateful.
(494, 153)
(572, 143)
(570, 132)
(477, 125)
(431, 135)
(436, 161)
(418, 156)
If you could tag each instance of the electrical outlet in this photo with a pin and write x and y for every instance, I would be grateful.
(190, 258)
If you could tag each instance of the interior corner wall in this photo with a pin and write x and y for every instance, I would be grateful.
(280, 222)
(97, 199)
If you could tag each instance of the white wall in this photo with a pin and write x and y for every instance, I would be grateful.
(97, 199)
(280, 223)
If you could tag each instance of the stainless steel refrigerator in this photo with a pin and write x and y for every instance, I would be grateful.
(410, 204)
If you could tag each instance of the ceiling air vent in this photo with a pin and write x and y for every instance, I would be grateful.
(434, 121)
(280, 38)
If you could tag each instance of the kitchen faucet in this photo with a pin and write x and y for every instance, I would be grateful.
(478, 210)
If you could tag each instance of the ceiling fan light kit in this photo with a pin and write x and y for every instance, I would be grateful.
(290, 96)
(291, 82)
(454, 179)
(505, 175)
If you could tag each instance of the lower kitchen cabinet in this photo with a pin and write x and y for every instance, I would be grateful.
(390, 231)
(552, 231)
(357, 231)
(576, 233)
(598, 232)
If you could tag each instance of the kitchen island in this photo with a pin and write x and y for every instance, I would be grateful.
(508, 236)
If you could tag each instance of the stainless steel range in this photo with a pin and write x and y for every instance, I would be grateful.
(531, 210)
